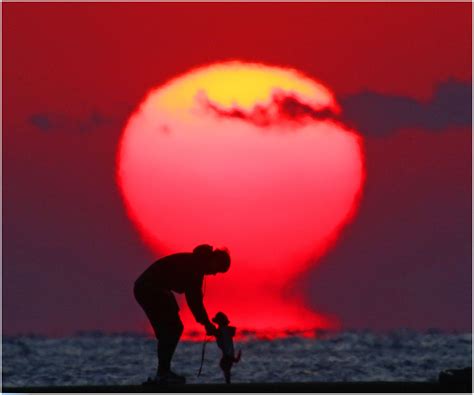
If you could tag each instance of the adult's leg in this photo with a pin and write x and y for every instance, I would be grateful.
(161, 308)
(164, 318)
(169, 333)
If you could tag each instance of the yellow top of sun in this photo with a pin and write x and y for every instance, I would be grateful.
(237, 84)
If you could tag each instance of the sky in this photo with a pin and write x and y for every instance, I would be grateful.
(73, 73)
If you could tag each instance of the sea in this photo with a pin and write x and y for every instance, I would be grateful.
(95, 358)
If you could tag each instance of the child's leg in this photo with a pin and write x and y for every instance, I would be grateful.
(226, 365)
(227, 376)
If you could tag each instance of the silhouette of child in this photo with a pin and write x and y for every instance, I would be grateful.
(224, 340)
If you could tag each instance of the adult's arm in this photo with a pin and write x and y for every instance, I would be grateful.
(194, 298)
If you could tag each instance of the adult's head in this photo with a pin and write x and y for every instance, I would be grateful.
(214, 261)
(203, 251)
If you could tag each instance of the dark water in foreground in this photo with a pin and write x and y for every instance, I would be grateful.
(100, 359)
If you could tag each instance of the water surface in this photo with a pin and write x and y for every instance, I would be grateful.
(110, 359)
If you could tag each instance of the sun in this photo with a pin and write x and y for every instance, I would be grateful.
(251, 157)
(232, 84)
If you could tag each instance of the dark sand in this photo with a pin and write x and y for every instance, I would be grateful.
(260, 387)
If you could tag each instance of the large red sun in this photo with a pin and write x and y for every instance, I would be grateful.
(250, 157)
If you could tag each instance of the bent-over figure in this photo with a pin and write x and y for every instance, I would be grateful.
(181, 273)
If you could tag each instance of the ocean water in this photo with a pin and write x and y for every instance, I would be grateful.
(110, 359)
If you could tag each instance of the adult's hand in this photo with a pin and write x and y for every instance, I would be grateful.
(211, 330)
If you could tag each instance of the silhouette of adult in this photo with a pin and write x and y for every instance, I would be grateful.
(181, 273)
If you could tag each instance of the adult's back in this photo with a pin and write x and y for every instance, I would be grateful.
(176, 272)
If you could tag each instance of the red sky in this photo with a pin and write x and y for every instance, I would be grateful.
(65, 234)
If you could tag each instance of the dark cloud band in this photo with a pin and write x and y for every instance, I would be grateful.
(371, 113)
(281, 108)
(374, 114)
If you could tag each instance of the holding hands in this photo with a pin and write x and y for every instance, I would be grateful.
(211, 330)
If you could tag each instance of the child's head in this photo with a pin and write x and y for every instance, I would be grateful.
(221, 319)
